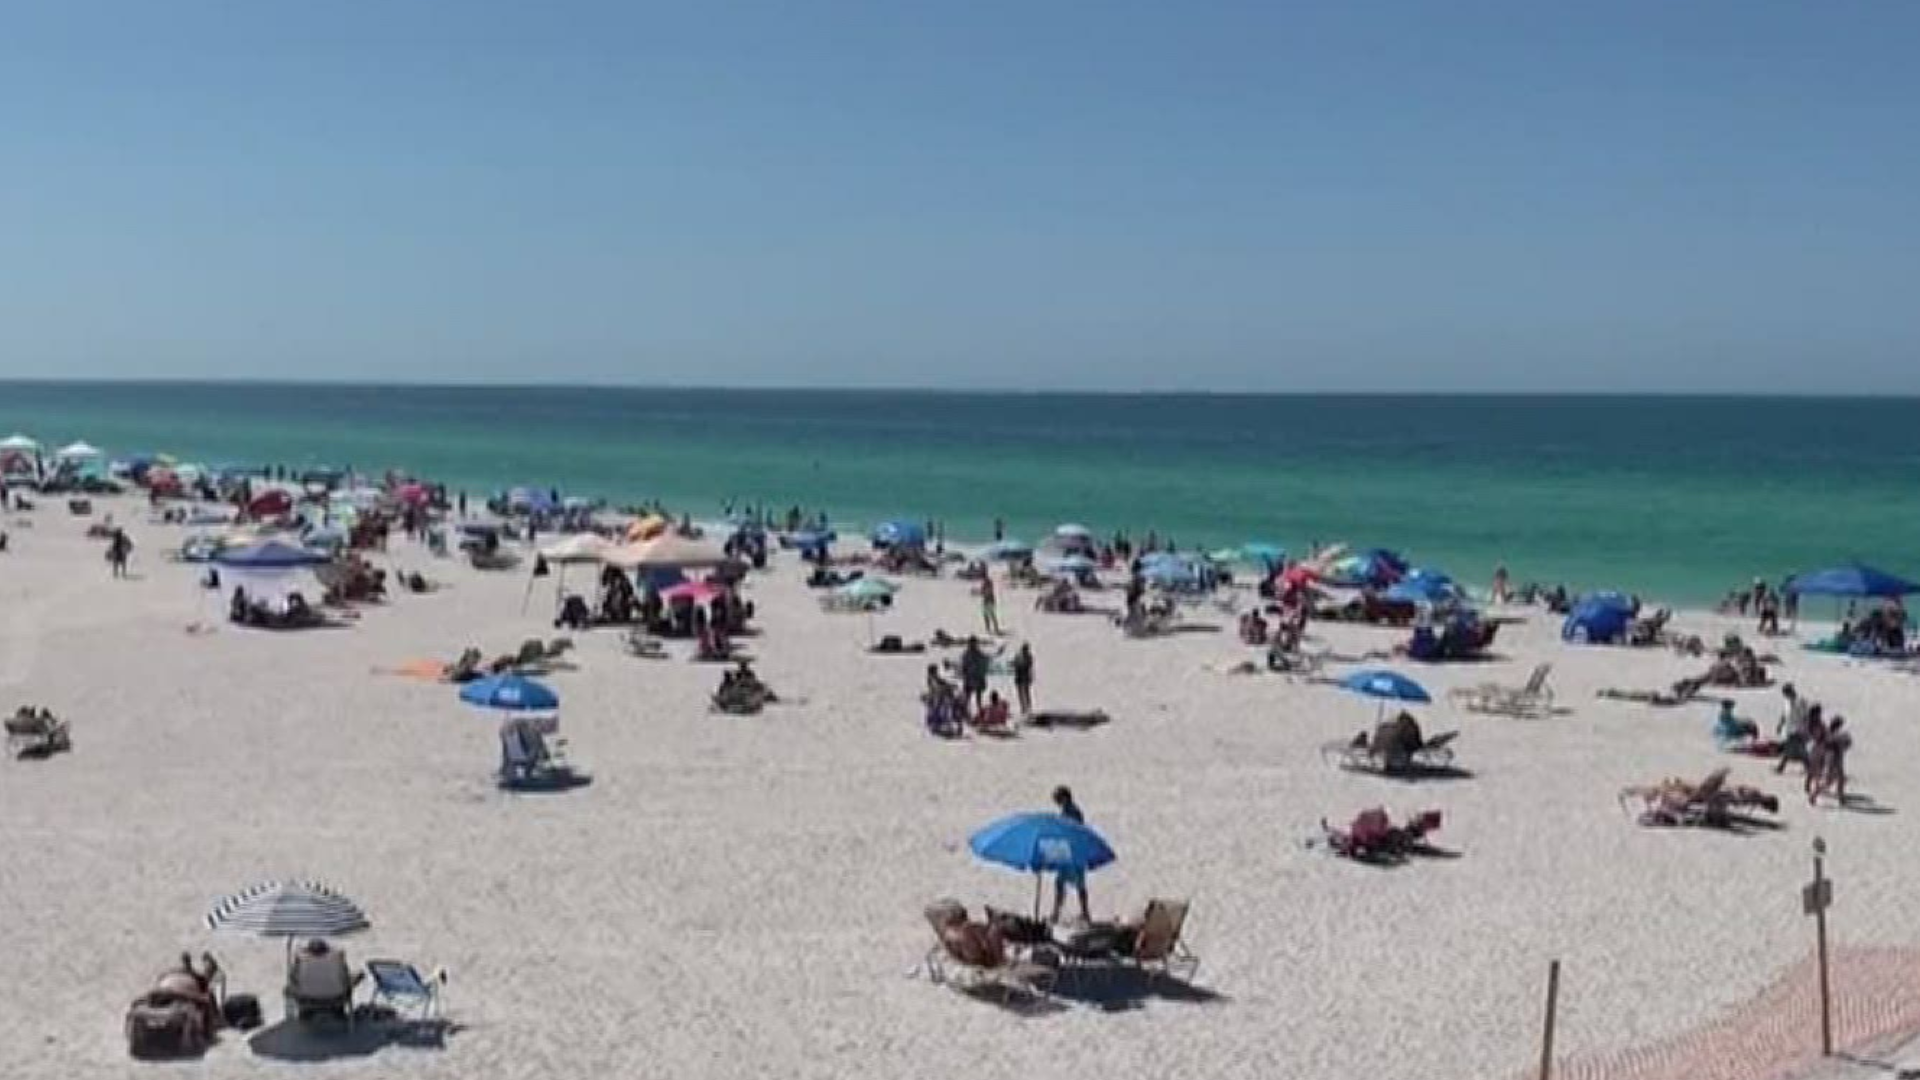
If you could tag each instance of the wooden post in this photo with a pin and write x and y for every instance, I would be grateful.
(1822, 896)
(1546, 1034)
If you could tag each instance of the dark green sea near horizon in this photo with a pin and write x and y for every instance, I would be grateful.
(1677, 498)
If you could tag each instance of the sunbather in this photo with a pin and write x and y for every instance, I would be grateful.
(1372, 836)
(1674, 801)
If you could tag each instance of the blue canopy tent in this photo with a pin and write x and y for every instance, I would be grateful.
(899, 534)
(1851, 579)
(1177, 572)
(1598, 619)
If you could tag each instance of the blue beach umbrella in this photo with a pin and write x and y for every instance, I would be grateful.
(1074, 563)
(513, 693)
(1385, 685)
(1852, 579)
(867, 589)
(1038, 843)
(1002, 550)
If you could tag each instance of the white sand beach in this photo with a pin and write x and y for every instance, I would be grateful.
(741, 896)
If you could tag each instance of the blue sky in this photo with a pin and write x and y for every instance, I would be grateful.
(1370, 195)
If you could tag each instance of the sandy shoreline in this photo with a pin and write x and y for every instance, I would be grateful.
(741, 896)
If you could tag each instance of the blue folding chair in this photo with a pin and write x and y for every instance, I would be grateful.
(402, 987)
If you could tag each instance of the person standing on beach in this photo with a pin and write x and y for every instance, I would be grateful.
(1063, 802)
(999, 530)
(1833, 763)
(1502, 590)
(1023, 678)
(1792, 729)
(119, 548)
(989, 610)
(973, 675)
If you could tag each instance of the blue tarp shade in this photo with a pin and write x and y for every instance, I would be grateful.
(1600, 619)
(1852, 579)
(900, 534)
(271, 555)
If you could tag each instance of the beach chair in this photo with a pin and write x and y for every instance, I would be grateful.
(968, 957)
(401, 987)
(320, 986)
(1158, 946)
(644, 645)
(1711, 802)
(528, 759)
(1535, 699)
(1359, 754)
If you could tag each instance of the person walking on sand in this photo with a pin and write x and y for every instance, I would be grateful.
(1023, 678)
(1833, 762)
(119, 548)
(1065, 876)
(989, 611)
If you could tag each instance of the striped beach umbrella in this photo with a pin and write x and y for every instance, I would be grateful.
(288, 909)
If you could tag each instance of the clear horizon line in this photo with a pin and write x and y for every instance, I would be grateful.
(991, 391)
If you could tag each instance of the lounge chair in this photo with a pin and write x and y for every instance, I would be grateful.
(35, 733)
(400, 986)
(1157, 942)
(529, 760)
(644, 645)
(1535, 699)
(320, 986)
(1367, 755)
(973, 956)
(1711, 802)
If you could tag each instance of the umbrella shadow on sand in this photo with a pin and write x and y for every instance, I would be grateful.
(372, 1032)
(1120, 987)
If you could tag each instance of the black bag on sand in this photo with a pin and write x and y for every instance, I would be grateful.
(241, 1011)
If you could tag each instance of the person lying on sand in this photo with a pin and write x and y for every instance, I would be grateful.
(1683, 691)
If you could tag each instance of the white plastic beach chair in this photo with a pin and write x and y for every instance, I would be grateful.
(1535, 699)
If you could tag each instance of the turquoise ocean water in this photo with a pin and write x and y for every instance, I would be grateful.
(1678, 498)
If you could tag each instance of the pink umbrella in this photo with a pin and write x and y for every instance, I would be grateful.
(693, 592)
(413, 494)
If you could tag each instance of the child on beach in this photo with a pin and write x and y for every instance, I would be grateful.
(1063, 802)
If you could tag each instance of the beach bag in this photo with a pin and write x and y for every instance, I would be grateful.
(241, 1011)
